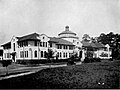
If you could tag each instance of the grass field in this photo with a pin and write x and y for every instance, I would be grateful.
(91, 75)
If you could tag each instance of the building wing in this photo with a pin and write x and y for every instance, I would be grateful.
(60, 41)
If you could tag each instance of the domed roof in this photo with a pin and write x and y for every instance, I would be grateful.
(67, 31)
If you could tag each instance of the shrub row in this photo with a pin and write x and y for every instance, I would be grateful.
(90, 60)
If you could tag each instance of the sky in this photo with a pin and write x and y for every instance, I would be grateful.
(93, 17)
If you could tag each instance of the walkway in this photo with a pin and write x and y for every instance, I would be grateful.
(30, 70)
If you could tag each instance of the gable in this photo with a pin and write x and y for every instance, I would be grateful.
(43, 38)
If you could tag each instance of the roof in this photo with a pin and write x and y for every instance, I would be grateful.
(67, 32)
(32, 36)
(93, 45)
(60, 41)
(8, 43)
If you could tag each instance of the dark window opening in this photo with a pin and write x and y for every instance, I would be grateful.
(35, 53)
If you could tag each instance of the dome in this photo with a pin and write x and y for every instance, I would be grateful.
(67, 31)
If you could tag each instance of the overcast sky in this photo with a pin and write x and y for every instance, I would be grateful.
(21, 17)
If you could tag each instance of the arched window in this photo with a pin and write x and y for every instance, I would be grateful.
(64, 54)
(35, 53)
(58, 54)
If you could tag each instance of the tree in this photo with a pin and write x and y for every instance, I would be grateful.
(51, 54)
(5, 63)
(86, 37)
(113, 40)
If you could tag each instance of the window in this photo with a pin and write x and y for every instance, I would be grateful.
(58, 54)
(27, 53)
(63, 54)
(14, 46)
(20, 54)
(35, 53)
(66, 47)
(46, 44)
(43, 44)
(35, 43)
(41, 53)
(7, 55)
(43, 37)
(69, 54)
(70, 47)
(63, 47)
(59, 46)
(23, 54)
(26, 43)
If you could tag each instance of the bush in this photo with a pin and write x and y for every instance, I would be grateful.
(97, 59)
(110, 59)
(90, 60)
(70, 62)
(5, 63)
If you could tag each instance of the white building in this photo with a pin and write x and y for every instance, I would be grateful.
(34, 46)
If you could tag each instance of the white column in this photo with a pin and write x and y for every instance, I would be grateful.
(83, 55)
(98, 53)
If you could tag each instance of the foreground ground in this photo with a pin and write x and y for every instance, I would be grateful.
(90, 75)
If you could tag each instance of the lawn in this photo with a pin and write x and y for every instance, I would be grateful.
(11, 68)
(91, 75)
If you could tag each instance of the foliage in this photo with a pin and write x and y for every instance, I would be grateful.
(5, 63)
(49, 54)
(104, 54)
(89, 54)
(113, 40)
(86, 37)
(90, 60)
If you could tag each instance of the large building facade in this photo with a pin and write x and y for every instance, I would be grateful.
(34, 46)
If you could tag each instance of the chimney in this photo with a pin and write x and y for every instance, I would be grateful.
(67, 28)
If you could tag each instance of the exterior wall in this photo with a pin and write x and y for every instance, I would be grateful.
(100, 51)
(5, 53)
(62, 51)
(70, 39)
(67, 35)
(31, 48)
(77, 43)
